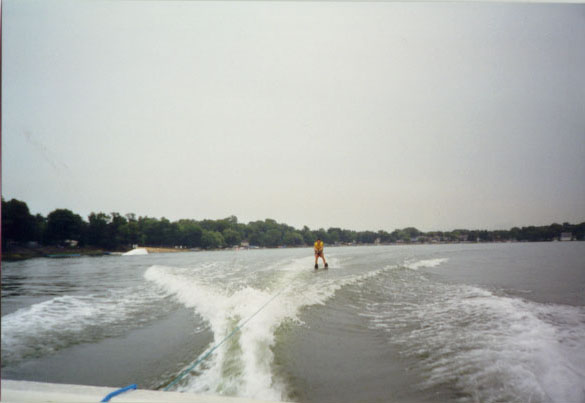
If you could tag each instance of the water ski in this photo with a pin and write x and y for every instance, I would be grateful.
(326, 266)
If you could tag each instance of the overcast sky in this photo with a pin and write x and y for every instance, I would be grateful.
(359, 115)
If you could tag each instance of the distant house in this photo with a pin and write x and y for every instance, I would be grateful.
(71, 243)
(245, 244)
(566, 236)
(377, 241)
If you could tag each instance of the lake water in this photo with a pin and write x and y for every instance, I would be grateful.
(474, 322)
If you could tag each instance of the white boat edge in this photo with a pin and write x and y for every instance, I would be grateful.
(26, 391)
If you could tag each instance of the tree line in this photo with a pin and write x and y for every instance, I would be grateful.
(119, 232)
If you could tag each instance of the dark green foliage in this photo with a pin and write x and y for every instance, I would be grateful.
(293, 238)
(18, 225)
(116, 232)
(62, 225)
(367, 237)
(189, 233)
(231, 237)
(212, 240)
(97, 230)
(308, 236)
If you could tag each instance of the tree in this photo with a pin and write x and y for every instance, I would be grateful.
(39, 228)
(150, 231)
(190, 233)
(231, 237)
(220, 225)
(18, 224)
(322, 235)
(580, 231)
(385, 236)
(399, 235)
(484, 236)
(117, 231)
(412, 232)
(212, 240)
(117, 234)
(273, 237)
(367, 237)
(257, 239)
(293, 238)
(170, 232)
(348, 236)
(132, 232)
(334, 235)
(97, 231)
(308, 237)
(63, 224)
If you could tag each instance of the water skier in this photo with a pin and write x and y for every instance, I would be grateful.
(319, 253)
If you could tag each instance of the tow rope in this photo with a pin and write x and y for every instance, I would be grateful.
(211, 350)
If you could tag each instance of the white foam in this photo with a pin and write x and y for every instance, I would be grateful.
(493, 348)
(46, 327)
(224, 312)
(415, 265)
(136, 252)
(44, 318)
(242, 366)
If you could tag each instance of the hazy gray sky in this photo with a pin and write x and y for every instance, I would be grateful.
(360, 115)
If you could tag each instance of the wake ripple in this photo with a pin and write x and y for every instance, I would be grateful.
(490, 348)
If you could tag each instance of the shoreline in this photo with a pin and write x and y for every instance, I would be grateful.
(156, 249)
(23, 253)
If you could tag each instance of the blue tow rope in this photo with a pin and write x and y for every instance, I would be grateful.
(119, 391)
(208, 353)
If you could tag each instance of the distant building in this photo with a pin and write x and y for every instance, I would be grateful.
(566, 236)
(245, 244)
(71, 242)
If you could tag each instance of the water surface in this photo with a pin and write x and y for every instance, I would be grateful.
(485, 322)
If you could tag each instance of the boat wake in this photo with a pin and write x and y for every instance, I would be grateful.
(242, 366)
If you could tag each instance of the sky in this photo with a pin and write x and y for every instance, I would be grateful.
(360, 115)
